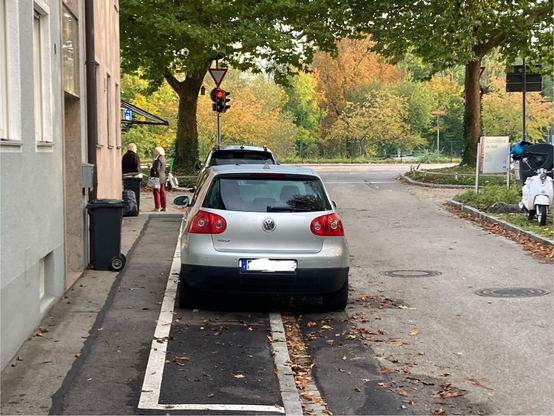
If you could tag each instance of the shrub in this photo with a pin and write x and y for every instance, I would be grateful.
(489, 195)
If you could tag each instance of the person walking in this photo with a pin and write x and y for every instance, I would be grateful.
(130, 163)
(158, 169)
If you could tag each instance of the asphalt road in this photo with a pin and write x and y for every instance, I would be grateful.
(415, 338)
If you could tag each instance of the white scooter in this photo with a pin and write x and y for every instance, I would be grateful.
(537, 194)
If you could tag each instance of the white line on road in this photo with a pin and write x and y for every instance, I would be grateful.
(151, 387)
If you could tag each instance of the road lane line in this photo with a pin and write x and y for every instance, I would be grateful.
(151, 387)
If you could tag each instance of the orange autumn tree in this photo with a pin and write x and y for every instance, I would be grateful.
(354, 66)
(502, 113)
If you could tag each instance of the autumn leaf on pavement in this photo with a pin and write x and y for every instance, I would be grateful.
(384, 370)
(416, 332)
(440, 411)
(239, 376)
(450, 394)
(403, 393)
(278, 407)
(326, 327)
(444, 374)
(311, 324)
(78, 355)
(275, 371)
(327, 412)
(357, 389)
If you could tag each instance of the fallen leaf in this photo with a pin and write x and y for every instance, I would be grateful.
(19, 358)
(278, 407)
(312, 324)
(327, 412)
(239, 376)
(416, 332)
(326, 327)
(403, 393)
(276, 371)
(440, 411)
(196, 310)
(450, 394)
(444, 374)
(357, 389)
(78, 355)
(384, 370)
(476, 382)
(145, 309)
(210, 395)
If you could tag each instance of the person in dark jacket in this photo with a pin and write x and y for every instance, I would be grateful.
(158, 169)
(130, 163)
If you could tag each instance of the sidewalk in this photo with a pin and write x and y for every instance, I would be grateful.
(49, 354)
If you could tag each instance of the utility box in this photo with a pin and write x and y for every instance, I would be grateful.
(87, 176)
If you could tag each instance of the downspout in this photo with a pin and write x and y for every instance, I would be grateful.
(92, 99)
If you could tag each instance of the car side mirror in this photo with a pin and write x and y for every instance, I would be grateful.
(181, 201)
(198, 165)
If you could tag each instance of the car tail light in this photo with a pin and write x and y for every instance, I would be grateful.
(207, 223)
(327, 225)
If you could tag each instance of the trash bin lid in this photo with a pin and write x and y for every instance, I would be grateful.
(105, 203)
(133, 175)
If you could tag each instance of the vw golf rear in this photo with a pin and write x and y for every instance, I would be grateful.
(266, 230)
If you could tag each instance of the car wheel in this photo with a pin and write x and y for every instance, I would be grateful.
(336, 301)
(188, 297)
(541, 214)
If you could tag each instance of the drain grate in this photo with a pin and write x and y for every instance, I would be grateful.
(411, 273)
(512, 292)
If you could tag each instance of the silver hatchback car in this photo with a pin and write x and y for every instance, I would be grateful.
(265, 229)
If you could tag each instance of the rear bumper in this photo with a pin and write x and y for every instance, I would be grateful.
(231, 280)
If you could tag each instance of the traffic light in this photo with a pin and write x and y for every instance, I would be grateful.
(219, 97)
(225, 100)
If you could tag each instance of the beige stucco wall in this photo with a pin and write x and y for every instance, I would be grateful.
(106, 23)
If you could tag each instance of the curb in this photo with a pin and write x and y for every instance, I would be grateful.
(433, 185)
(506, 225)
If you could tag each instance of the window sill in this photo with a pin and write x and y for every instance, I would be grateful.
(11, 146)
(45, 147)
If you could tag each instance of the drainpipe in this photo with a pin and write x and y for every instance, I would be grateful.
(92, 116)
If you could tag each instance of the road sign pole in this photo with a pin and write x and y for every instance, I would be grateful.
(523, 88)
(218, 131)
(438, 134)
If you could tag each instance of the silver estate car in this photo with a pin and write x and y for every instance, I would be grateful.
(265, 229)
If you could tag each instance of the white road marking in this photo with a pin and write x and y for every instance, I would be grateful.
(151, 387)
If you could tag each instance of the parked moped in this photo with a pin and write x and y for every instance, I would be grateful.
(537, 194)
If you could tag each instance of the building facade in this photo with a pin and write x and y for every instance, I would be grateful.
(45, 146)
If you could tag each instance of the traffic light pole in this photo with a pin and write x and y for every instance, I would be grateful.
(218, 131)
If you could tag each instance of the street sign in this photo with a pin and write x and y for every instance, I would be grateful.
(218, 74)
(127, 115)
(437, 112)
(494, 154)
(514, 80)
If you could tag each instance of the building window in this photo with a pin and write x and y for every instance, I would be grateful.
(99, 95)
(109, 116)
(37, 68)
(70, 43)
(3, 74)
(117, 116)
(42, 71)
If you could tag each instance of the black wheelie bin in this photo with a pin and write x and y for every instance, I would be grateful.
(132, 181)
(106, 216)
(538, 156)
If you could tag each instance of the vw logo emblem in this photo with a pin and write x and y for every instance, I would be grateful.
(268, 225)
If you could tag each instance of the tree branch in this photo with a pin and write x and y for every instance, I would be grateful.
(171, 80)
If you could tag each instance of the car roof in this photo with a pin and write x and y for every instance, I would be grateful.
(264, 168)
(239, 148)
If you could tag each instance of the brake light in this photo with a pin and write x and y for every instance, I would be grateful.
(327, 225)
(207, 223)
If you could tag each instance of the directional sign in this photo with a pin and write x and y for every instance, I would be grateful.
(218, 74)
(437, 112)
(127, 114)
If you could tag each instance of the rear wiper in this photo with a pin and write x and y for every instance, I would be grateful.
(287, 209)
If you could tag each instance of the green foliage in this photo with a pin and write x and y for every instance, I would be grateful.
(488, 195)
(519, 220)
(429, 156)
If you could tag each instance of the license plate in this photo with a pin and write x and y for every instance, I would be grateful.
(267, 265)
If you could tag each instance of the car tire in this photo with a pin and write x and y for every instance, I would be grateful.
(188, 297)
(336, 301)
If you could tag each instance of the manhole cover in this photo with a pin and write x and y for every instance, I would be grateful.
(411, 273)
(512, 292)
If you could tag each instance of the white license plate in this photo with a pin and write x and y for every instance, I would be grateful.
(267, 265)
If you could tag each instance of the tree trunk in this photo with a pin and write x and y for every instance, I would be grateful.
(472, 113)
(187, 134)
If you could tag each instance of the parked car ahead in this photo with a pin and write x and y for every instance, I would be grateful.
(262, 229)
(232, 155)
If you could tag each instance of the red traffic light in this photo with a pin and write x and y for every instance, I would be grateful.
(219, 93)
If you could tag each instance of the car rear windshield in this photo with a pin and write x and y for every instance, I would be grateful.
(240, 157)
(284, 193)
